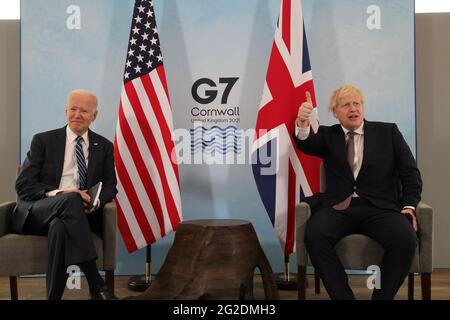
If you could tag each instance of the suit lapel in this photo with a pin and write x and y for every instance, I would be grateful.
(94, 153)
(60, 149)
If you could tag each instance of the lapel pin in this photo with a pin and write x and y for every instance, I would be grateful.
(95, 144)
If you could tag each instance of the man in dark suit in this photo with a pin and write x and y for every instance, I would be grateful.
(53, 198)
(365, 163)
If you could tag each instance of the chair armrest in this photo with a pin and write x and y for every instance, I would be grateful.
(109, 236)
(302, 214)
(424, 215)
(6, 209)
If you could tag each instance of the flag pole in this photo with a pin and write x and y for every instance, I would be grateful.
(286, 280)
(141, 283)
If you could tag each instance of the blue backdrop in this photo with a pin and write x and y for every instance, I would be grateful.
(70, 44)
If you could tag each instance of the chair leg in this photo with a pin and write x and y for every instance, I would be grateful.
(301, 282)
(316, 281)
(425, 279)
(13, 287)
(410, 286)
(109, 279)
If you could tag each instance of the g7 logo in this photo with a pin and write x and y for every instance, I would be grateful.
(211, 95)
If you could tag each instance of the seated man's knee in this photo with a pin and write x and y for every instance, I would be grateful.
(313, 234)
(72, 198)
(407, 240)
(410, 240)
(71, 205)
(56, 225)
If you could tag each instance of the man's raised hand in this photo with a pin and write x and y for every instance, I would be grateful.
(304, 112)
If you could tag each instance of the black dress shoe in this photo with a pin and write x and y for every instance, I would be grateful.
(103, 294)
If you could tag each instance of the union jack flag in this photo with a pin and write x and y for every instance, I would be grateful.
(283, 174)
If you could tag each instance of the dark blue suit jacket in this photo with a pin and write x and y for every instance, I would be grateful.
(389, 177)
(42, 169)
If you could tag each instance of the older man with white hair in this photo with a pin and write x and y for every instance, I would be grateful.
(52, 188)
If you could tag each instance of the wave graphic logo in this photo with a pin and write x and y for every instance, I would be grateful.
(216, 140)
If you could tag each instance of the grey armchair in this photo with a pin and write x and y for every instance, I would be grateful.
(27, 254)
(358, 251)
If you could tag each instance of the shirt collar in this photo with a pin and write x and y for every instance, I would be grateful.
(71, 136)
(359, 131)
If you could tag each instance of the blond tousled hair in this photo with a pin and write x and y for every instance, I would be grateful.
(343, 91)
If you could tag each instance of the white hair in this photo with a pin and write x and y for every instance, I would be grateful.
(84, 92)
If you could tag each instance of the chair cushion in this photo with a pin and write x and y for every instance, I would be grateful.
(27, 254)
(358, 251)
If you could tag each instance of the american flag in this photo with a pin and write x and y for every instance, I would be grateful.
(148, 198)
(295, 175)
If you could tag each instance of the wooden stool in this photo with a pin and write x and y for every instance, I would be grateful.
(212, 259)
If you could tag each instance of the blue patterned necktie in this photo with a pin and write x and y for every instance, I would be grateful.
(82, 169)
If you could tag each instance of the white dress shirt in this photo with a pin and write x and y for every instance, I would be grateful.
(358, 139)
(303, 133)
(70, 178)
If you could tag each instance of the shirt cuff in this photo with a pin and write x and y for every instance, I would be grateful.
(52, 193)
(302, 133)
(410, 207)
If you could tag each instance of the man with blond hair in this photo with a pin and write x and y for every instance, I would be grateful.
(365, 162)
(53, 198)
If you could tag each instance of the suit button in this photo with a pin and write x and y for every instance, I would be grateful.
(354, 188)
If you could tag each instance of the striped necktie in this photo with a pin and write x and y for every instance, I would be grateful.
(82, 168)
